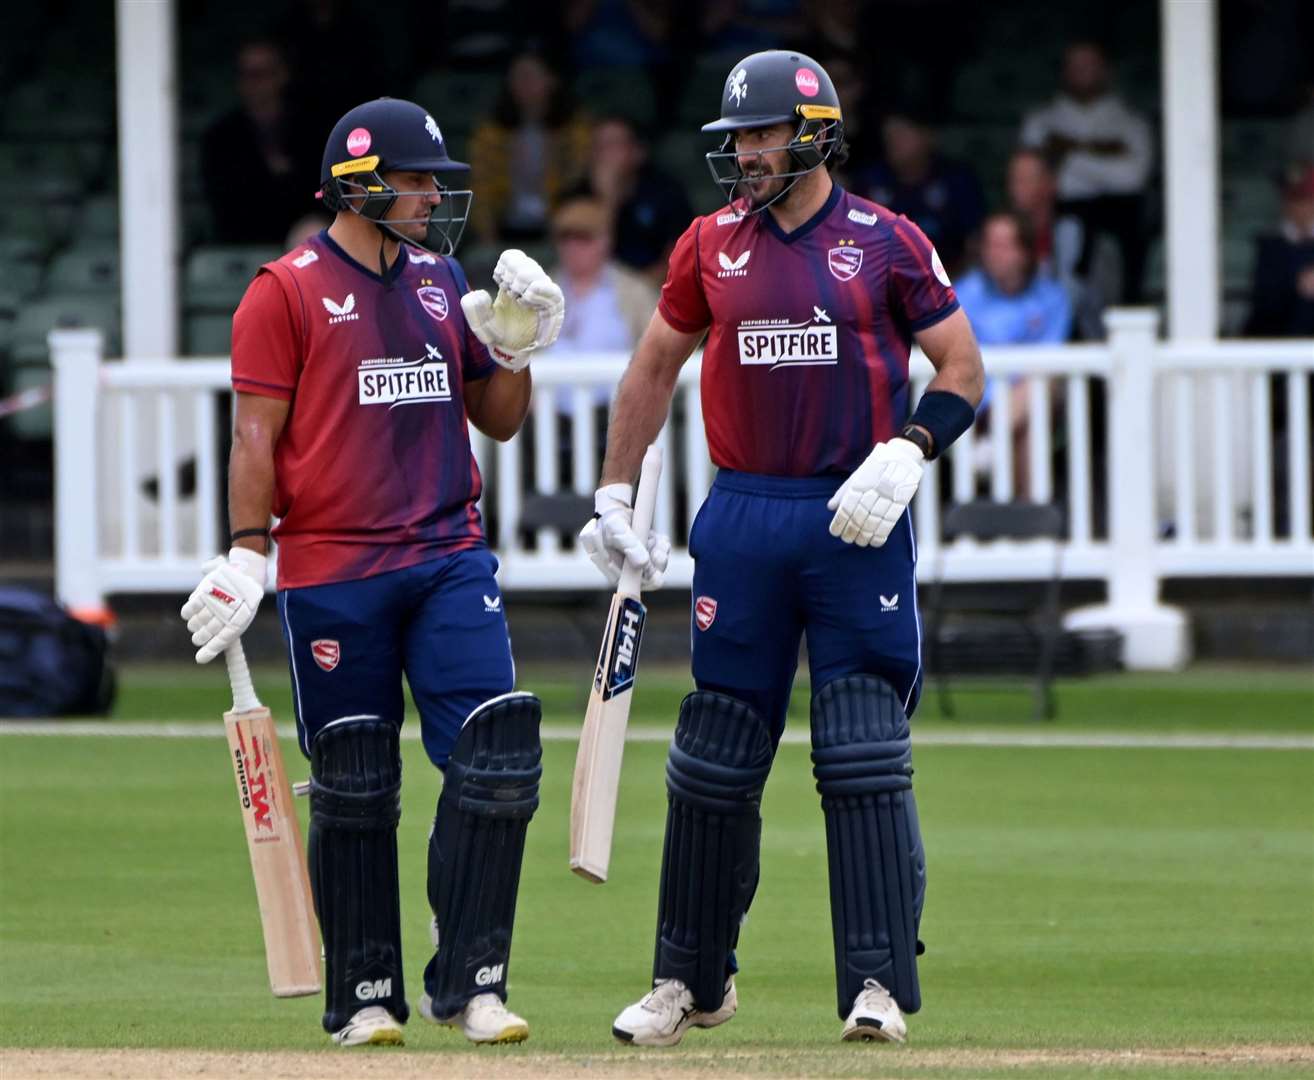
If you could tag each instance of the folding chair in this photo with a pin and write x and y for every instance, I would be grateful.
(988, 522)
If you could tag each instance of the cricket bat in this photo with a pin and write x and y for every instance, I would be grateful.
(602, 739)
(273, 838)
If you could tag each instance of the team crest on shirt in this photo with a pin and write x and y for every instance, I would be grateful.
(704, 612)
(326, 652)
(434, 300)
(844, 261)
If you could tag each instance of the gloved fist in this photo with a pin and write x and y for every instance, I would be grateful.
(870, 502)
(525, 317)
(222, 606)
(610, 541)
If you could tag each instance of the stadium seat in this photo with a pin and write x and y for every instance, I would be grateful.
(1238, 264)
(89, 269)
(1036, 616)
(68, 108)
(209, 335)
(38, 317)
(99, 219)
(24, 261)
(217, 277)
(1255, 146)
(623, 92)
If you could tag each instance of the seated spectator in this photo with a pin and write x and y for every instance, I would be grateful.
(607, 305)
(304, 228)
(941, 195)
(1282, 298)
(648, 208)
(1102, 152)
(629, 34)
(861, 130)
(534, 147)
(1010, 302)
(260, 162)
(1300, 141)
(1057, 239)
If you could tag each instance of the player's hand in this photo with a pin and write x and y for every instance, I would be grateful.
(222, 606)
(525, 317)
(611, 542)
(870, 502)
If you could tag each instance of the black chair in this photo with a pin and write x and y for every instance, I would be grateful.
(987, 522)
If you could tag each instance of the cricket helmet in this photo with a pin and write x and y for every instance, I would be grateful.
(777, 87)
(387, 135)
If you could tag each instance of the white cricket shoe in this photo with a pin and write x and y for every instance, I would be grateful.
(874, 1016)
(372, 1026)
(485, 1019)
(667, 1011)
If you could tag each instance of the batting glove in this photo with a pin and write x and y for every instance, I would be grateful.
(870, 502)
(610, 541)
(222, 606)
(523, 289)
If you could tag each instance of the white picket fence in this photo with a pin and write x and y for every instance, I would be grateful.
(1191, 482)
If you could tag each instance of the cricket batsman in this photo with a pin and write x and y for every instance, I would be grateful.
(355, 370)
(810, 299)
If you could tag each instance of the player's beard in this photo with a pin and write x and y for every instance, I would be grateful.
(760, 184)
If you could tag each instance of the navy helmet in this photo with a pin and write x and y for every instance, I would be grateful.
(778, 87)
(387, 135)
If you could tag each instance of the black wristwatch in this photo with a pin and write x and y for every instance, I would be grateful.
(919, 439)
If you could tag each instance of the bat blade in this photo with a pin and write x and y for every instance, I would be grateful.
(602, 740)
(278, 861)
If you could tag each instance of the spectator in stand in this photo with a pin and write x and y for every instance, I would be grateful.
(531, 150)
(319, 37)
(1300, 143)
(628, 34)
(1057, 239)
(1282, 299)
(304, 228)
(1010, 301)
(255, 159)
(607, 305)
(861, 129)
(646, 205)
(939, 194)
(1102, 152)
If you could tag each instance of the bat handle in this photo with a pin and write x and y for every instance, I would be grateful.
(239, 677)
(645, 505)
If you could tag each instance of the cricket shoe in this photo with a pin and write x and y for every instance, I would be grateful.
(485, 1019)
(372, 1026)
(667, 1011)
(874, 1016)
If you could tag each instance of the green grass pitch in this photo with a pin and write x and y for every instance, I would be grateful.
(1080, 899)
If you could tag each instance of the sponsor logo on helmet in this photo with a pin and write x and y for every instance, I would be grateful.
(859, 218)
(938, 268)
(736, 267)
(343, 312)
(326, 652)
(844, 261)
(730, 218)
(807, 82)
(704, 612)
(305, 259)
(737, 87)
(358, 142)
(777, 343)
(394, 380)
(433, 300)
(431, 126)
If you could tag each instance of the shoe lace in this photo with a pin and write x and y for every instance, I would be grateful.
(665, 994)
(490, 1002)
(873, 988)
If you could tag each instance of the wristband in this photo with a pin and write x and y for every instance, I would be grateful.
(945, 415)
(242, 534)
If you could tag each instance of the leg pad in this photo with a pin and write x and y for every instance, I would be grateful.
(355, 790)
(475, 850)
(862, 760)
(718, 764)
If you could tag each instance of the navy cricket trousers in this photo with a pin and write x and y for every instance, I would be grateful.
(441, 623)
(767, 571)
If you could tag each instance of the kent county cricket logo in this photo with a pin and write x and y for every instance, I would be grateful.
(737, 87)
(844, 261)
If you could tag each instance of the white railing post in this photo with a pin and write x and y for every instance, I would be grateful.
(1155, 637)
(75, 356)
